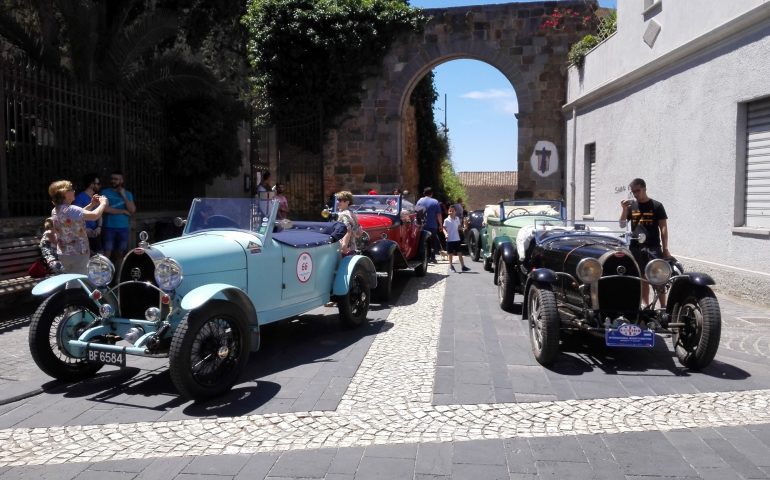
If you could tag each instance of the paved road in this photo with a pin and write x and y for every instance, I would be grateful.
(439, 385)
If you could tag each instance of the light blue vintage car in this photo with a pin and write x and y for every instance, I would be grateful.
(199, 299)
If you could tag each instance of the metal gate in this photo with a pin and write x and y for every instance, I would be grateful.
(294, 150)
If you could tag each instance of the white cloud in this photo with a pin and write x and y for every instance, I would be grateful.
(503, 101)
(492, 93)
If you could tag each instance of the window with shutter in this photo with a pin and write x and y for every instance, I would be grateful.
(589, 182)
(757, 186)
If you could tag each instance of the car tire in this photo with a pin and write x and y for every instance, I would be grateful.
(47, 335)
(488, 263)
(697, 342)
(543, 321)
(209, 350)
(421, 269)
(354, 305)
(474, 246)
(385, 283)
(505, 285)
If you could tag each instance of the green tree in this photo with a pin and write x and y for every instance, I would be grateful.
(308, 55)
(432, 147)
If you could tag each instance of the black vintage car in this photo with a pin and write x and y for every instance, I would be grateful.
(583, 277)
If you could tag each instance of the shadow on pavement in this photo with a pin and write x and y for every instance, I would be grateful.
(582, 353)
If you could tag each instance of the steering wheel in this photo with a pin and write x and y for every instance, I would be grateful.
(514, 210)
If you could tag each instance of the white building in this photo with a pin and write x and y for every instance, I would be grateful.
(680, 96)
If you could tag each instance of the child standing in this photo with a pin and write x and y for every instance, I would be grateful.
(452, 232)
(48, 248)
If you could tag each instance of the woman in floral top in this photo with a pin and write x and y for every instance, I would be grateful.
(349, 218)
(69, 225)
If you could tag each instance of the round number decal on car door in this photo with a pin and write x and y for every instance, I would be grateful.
(304, 267)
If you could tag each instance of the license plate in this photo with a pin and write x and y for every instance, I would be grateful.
(629, 335)
(107, 358)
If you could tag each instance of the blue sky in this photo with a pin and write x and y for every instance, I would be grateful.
(480, 106)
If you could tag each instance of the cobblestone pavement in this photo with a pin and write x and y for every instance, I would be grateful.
(393, 408)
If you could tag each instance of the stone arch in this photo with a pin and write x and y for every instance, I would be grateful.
(370, 149)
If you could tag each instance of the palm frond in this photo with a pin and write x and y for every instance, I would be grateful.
(29, 42)
(172, 78)
(140, 38)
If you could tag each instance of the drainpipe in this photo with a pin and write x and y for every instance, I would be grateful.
(574, 155)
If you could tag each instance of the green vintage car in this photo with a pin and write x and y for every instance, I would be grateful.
(502, 222)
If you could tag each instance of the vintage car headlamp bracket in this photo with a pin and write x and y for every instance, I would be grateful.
(168, 274)
(100, 270)
(589, 270)
(657, 271)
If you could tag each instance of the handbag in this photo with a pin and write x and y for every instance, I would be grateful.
(38, 269)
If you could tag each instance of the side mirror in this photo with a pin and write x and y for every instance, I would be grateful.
(180, 222)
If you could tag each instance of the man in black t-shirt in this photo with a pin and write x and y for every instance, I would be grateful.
(647, 216)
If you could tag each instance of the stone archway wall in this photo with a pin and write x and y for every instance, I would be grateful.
(373, 146)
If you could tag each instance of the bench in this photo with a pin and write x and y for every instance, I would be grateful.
(16, 256)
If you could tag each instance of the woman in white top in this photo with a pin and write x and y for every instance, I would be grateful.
(69, 225)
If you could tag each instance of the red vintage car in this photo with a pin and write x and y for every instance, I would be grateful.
(393, 237)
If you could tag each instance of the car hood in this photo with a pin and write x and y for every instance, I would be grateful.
(208, 252)
(368, 222)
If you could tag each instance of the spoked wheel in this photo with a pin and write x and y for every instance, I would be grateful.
(543, 324)
(505, 285)
(421, 269)
(60, 318)
(474, 247)
(354, 306)
(697, 342)
(385, 283)
(209, 350)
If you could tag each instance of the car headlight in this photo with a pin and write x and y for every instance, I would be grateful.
(168, 274)
(589, 270)
(657, 271)
(100, 270)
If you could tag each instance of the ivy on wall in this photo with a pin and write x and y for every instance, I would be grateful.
(308, 56)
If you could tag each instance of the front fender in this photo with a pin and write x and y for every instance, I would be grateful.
(49, 285)
(500, 239)
(382, 251)
(196, 297)
(684, 284)
(507, 251)
(543, 275)
(345, 272)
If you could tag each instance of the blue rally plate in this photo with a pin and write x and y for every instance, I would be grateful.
(629, 335)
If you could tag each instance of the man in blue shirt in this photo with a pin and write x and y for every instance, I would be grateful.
(116, 219)
(432, 220)
(91, 185)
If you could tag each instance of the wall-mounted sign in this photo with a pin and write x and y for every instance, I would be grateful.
(545, 158)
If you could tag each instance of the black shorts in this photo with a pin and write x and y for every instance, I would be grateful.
(643, 255)
(453, 247)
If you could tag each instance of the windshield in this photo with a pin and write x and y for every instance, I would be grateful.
(594, 230)
(229, 214)
(518, 208)
(378, 204)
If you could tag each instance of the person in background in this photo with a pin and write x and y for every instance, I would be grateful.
(459, 209)
(91, 185)
(69, 225)
(263, 193)
(350, 219)
(372, 192)
(648, 216)
(116, 224)
(452, 227)
(432, 221)
(283, 202)
(48, 248)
